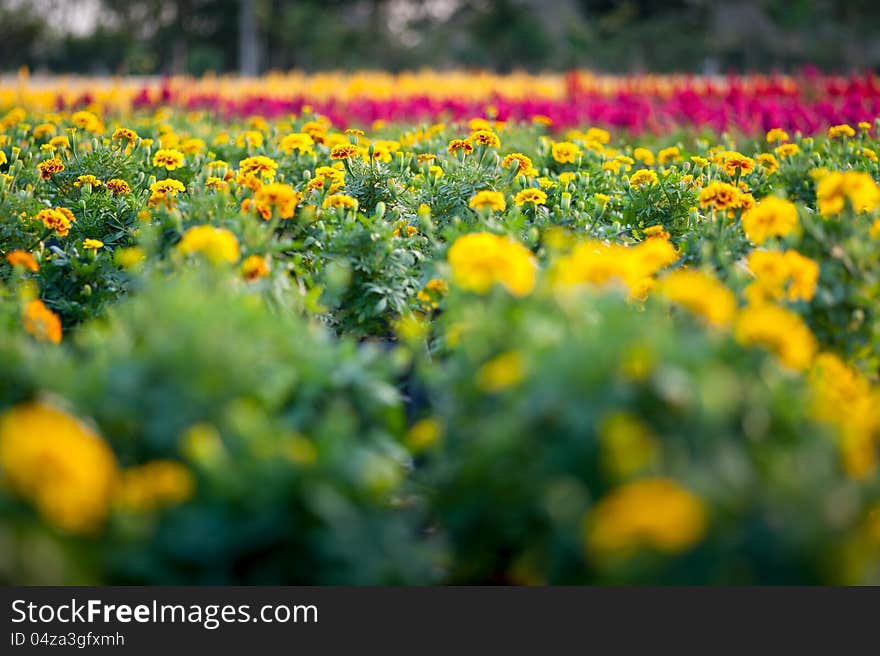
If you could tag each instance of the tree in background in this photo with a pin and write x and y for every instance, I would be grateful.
(195, 36)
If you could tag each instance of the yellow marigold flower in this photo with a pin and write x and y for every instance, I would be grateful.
(168, 158)
(655, 513)
(50, 167)
(84, 180)
(720, 196)
(619, 161)
(480, 260)
(486, 138)
(43, 130)
(340, 201)
(502, 372)
(670, 154)
(842, 130)
(540, 119)
(565, 152)
(193, 146)
(118, 186)
(217, 244)
(772, 217)
(874, 231)
(58, 464)
(460, 145)
(602, 199)
(86, 120)
(250, 139)
(254, 267)
(476, 124)
(130, 258)
(124, 134)
(644, 155)
(777, 135)
(834, 189)
(487, 199)
(597, 134)
(259, 166)
(425, 157)
(787, 150)
(643, 177)
(299, 142)
(280, 197)
(768, 162)
(781, 275)
(92, 244)
(154, 485)
(524, 162)
(410, 231)
(601, 264)
(343, 151)
(41, 322)
(13, 117)
(702, 294)
(700, 161)
(168, 187)
(864, 126)
(843, 398)
(530, 195)
(869, 154)
(354, 132)
(60, 141)
(781, 331)
(23, 259)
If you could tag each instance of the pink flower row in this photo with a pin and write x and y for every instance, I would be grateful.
(749, 104)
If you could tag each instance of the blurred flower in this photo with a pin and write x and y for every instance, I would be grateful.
(58, 464)
(651, 513)
(479, 260)
(217, 244)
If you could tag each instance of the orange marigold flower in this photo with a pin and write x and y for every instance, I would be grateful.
(41, 322)
(525, 162)
(486, 138)
(280, 197)
(58, 220)
(118, 186)
(50, 167)
(720, 196)
(460, 145)
(124, 134)
(343, 151)
(254, 267)
(23, 259)
(259, 165)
